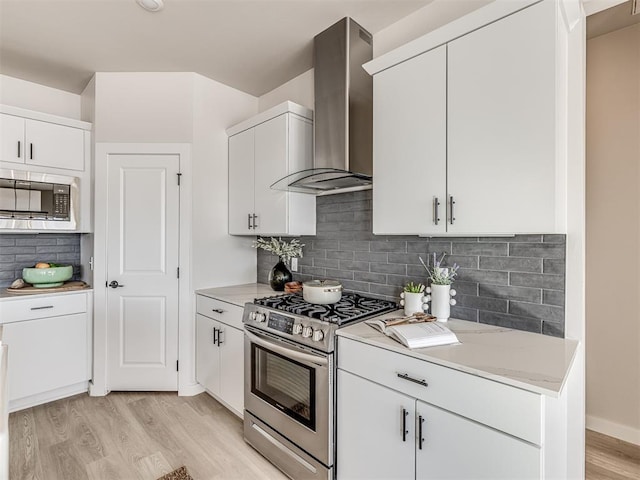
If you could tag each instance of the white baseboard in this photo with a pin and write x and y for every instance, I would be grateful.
(190, 390)
(621, 432)
(45, 397)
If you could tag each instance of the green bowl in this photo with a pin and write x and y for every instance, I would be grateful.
(47, 277)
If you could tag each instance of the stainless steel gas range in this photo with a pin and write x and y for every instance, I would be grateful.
(290, 378)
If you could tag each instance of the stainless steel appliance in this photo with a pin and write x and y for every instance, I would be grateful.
(37, 201)
(290, 378)
(343, 113)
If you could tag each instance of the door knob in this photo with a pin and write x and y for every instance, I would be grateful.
(114, 284)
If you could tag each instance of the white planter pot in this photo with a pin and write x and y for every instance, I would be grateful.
(413, 302)
(440, 302)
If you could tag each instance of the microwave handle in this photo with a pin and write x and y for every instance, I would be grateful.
(304, 357)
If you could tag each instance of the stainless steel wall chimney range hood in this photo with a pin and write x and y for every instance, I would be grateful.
(343, 123)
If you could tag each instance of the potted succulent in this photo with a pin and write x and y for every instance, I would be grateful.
(412, 298)
(439, 288)
(280, 273)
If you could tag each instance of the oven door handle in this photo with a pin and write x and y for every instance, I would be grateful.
(304, 357)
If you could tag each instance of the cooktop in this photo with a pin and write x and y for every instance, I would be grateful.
(351, 307)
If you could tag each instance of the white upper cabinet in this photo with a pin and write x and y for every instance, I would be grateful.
(410, 146)
(241, 181)
(469, 127)
(501, 125)
(262, 150)
(12, 138)
(51, 145)
(45, 144)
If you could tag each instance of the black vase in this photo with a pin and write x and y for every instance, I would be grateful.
(279, 275)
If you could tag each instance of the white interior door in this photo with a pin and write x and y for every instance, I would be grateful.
(142, 258)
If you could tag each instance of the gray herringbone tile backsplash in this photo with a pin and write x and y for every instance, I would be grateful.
(18, 251)
(517, 282)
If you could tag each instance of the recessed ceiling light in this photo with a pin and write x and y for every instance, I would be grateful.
(151, 5)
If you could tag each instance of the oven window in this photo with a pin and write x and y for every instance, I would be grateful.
(284, 383)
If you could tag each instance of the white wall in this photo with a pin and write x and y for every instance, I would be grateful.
(422, 21)
(219, 259)
(613, 234)
(144, 107)
(40, 98)
(299, 90)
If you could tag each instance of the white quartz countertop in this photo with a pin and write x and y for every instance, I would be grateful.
(533, 362)
(6, 296)
(239, 294)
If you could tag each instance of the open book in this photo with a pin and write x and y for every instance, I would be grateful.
(415, 333)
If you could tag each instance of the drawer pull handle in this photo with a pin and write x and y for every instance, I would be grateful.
(405, 376)
(41, 308)
(218, 310)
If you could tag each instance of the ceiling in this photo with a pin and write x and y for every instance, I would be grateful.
(611, 19)
(252, 45)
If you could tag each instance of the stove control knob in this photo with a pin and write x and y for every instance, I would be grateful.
(307, 332)
(260, 317)
(318, 335)
(252, 316)
(297, 329)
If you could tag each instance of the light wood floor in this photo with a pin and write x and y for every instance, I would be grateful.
(145, 435)
(608, 458)
(131, 436)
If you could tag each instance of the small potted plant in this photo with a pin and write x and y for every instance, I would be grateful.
(280, 273)
(412, 298)
(439, 288)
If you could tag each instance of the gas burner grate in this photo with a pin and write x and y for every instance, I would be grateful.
(350, 308)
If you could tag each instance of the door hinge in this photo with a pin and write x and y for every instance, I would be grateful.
(178, 272)
(179, 175)
(177, 365)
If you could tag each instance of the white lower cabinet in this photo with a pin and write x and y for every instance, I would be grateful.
(456, 447)
(370, 439)
(386, 433)
(220, 351)
(49, 340)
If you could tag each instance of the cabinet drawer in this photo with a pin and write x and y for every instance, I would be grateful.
(222, 311)
(41, 307)
(500, 406)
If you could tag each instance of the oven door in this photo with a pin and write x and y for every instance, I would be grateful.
(290, 389)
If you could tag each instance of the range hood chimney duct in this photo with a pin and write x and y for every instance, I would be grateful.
(343, 120)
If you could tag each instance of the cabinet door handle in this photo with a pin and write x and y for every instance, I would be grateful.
(41, 308)
(451, 204)
(405, 414)
(420, 437)
(249, 221)
(31, 151)
(215, 331)
(19, 149)
(220, 337)
(255, 217)
(436, 216)
(405, 376)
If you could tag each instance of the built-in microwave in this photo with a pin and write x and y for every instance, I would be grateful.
(37, 201)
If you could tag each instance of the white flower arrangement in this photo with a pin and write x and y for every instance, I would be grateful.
(283, 249)
(438, 274)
